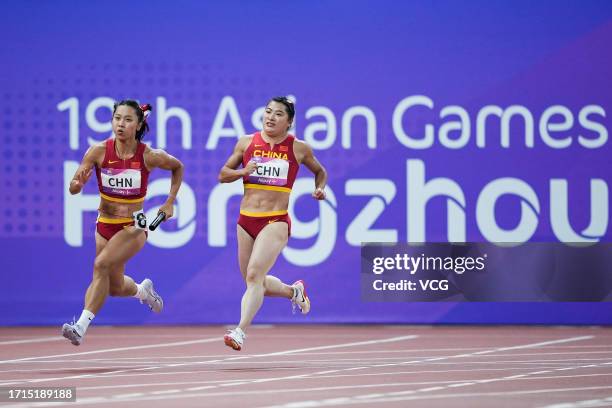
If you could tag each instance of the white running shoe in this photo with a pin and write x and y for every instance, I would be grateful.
(73, 332)
(153, 300)
(234, 338)
(300, 298)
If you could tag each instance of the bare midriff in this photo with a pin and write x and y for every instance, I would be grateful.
(264, 200)
(110, 209)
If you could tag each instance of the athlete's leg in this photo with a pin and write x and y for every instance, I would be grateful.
(274, 287)
(111, 257)
(93, 288)
(245, 247)
(266, 248)
(111, 262)
(122, 285)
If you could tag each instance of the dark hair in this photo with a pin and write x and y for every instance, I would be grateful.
(142, 111)
(289, 106)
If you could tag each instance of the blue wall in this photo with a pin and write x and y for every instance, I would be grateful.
(504, 106)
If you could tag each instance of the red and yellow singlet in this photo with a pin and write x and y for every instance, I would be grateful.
(277, 168)
(123, 181)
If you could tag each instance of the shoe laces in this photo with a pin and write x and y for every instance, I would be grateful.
(75, 326)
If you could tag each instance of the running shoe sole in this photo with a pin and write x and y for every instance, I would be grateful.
(71, 334)
(229, 342)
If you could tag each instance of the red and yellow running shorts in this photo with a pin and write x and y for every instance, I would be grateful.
(108, 227)
(253, 222)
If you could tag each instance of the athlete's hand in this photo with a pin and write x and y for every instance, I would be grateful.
(81, 177)
(249, 168)
(168, 208)
(319, 194)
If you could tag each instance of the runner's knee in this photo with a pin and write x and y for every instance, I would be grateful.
(254, 275)
(102, 267)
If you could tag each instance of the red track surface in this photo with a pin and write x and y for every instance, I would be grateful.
(315, 366)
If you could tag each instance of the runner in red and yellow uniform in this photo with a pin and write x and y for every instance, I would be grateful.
(122, 165)
(270, 161)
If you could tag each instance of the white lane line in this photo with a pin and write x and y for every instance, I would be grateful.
(162, 392)
(82, 364)
(458, 385)
(573, 376)
(544, 343)
(603, 402)
(206, 387)
(563, 353)
(359, 343)
(512, 377)
(26, 341)
(133, 395)
(403, 352)
(370, 396)
(430, 389)
(148, 346)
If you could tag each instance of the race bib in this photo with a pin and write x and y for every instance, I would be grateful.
(140, 219)
(125, 182)
(270, 171)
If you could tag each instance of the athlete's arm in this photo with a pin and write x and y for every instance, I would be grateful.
(160, 159)
(230, 172)
(311, 162)
(93, 155)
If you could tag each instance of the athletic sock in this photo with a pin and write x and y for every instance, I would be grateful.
(84, 320)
